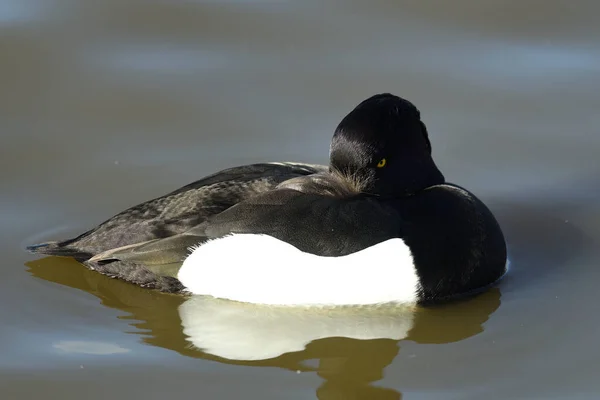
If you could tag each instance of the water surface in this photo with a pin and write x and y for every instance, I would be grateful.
(108, 103)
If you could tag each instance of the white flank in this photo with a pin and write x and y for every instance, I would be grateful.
(264, 270)
(239, 331)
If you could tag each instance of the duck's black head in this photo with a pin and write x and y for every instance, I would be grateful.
(383, 146)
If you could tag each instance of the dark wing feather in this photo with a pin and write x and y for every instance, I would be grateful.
(153, 252)
(320, 224)
(323, 225)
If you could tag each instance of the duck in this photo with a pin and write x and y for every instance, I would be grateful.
(378, 225)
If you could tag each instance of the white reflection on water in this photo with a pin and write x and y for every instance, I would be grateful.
(18, 12)
(498, 65)
(238, 331)
(89, 347)
(158, 58)
(501, 63)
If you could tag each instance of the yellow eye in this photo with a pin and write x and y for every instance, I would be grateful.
(381, 163)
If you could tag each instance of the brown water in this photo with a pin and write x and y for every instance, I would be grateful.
(104, 104)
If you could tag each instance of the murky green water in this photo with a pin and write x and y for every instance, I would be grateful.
(104, 104)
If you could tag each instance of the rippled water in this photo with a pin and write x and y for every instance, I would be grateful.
(104, 104)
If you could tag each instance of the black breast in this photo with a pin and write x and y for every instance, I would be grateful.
(456, 242)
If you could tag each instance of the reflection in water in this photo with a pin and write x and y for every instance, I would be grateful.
(239, 331)
(89, 347)
(348, 347)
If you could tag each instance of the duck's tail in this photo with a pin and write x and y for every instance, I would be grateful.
(61, 249)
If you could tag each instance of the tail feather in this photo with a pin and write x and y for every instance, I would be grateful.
(58, 249)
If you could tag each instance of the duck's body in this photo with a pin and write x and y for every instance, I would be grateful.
(346, 250)
(355, 232)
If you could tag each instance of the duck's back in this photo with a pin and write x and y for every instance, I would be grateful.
(178, 211)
